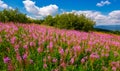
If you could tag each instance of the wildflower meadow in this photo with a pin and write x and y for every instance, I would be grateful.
(31, 47)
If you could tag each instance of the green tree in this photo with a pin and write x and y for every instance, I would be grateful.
(70, 21)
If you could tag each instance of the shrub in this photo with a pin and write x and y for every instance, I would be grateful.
(10, 15)
(70, 21)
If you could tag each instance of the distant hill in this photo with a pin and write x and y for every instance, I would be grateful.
(108, 27)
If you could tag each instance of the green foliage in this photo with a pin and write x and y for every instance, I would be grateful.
(49, 20)
(63, 21)
(10, 15)
(70, 21)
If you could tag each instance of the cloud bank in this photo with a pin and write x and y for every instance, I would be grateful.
(40, 12)
(109, 19)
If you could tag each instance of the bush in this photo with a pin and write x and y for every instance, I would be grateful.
(12, 16)
(70, 21)
(9, 15)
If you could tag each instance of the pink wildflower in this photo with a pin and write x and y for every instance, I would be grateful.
(61, 51)
(6, 59)
(76, 48)
(39, 50)
(18, 57)
(49, 57)
(25, 46)
(16, 47)
(31, 61)
(54, 60)
(72, 60)
(63, 64)
(82, 60)
(51, 45)
(114, 68)
(55, 70)
(94, 56)
(45, 65)
(13, 40)
(24, 56)
(31, 44)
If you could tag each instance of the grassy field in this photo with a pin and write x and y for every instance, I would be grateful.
(31, 47)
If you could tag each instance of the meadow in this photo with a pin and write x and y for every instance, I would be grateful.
(31, 47)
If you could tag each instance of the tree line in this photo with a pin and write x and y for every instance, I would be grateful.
(63, 21)
(70, 21)
(10, 15)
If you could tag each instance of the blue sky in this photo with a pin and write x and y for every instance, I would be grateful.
(102, 11)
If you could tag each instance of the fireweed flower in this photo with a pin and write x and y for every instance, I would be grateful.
(72, 60)
(76, 48)
(107, 54)
(61, 51)
(115, 64)
(94, 56)
(66, 51)
(31, 44)
(50, 46)
(13, 40)
(39, 50)
(55, 70)
(10, 67)
(25, 46)
(49, 57)
(24, 56)
(103, 54)
(6, 59)
(63, 64)
(16, 47)
(45, 65)
(82, 60)
(88, 50)
(54, 60)
(31, 61)
(18, 57)
(114, 68)
(116, 54)
(0, 39)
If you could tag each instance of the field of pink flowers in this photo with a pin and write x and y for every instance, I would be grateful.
(31, 47)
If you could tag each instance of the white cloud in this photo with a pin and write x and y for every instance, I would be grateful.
(102, 3)
(47, 10)
(115, 14)
(109, 19)
(40, 12)
(4, 5)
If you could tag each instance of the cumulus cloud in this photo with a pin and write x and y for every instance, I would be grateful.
(102, 3)
(111, 18)
(4, 5)
(40, 12)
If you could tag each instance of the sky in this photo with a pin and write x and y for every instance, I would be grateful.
(104, 12)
